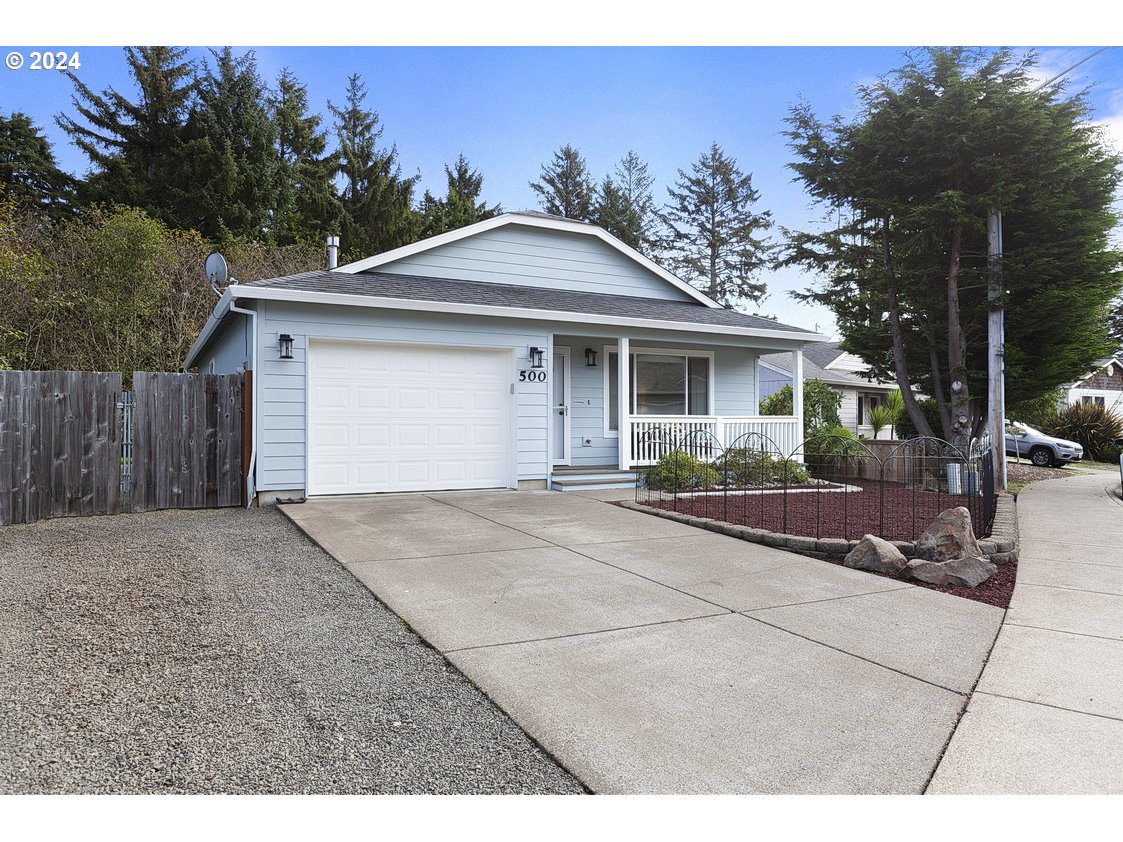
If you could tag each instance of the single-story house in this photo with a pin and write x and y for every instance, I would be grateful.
(525, 351)
(1102, 385)
(842, 371)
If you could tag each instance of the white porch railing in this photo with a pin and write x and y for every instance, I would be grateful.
(706, 436)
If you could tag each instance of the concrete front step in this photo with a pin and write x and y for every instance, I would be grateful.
(575, 478)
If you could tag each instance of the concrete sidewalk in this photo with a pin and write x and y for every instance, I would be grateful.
(1047, 715)
(652, 657)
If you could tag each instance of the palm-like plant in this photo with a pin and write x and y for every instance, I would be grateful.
(1093, 425)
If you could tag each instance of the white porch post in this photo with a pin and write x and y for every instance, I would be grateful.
(797, 393)
(624, 403)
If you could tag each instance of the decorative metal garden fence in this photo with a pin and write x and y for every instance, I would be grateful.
(829, 486)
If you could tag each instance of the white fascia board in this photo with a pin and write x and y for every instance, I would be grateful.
(568, 225)
(212, 324)
(796, 339)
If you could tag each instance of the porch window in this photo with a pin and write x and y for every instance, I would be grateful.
(662, 384)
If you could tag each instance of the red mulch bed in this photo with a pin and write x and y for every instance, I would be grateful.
(895, 513)
(996, 590)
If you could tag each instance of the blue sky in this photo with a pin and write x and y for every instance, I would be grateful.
(507, 108)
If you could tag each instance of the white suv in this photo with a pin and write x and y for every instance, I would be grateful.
(1042, 450)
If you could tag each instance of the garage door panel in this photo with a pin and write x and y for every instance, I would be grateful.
(441, 418)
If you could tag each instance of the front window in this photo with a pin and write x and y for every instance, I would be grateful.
(662, 384)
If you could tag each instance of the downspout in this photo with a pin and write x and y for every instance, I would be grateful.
(251, 480)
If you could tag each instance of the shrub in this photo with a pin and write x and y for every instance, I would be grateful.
(746, 467)
(1094, 426)
(677, 470)
(831, 447)
(820, 404)
(907, 430)
(1111, 454)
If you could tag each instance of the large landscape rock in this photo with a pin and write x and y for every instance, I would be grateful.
(971, 571)
(950, 536)
(876, 555)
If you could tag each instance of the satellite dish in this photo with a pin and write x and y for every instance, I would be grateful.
(216, 270)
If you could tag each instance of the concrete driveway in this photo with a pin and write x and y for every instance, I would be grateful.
(653, 657)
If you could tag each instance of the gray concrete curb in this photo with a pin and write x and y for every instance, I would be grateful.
(1000, 548)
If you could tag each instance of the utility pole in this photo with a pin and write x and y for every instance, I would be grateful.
(996, 347)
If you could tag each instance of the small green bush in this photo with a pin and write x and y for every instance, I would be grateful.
(677, 470)
(1111, 454)
(743, 466)
(1093, 425)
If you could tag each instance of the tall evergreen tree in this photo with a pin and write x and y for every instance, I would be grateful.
(307, 207)
(625, 207)
(377, 201)
(714, 234)
(136, 147)
(230, 152)
(461, 205)
(565, 187)
(29, 174)
(909, 183)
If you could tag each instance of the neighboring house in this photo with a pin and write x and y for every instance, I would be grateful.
(487, 357)
(1103, 385)
(842, 372)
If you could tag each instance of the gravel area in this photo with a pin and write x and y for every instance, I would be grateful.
(221, 651)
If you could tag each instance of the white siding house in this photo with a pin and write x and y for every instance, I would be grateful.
(842, 372)
(525, 351)
(1104, 386)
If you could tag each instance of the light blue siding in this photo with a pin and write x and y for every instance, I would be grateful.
(283, 383)
(734, 391)
(526, 256)
(282, 408)
(229, 351)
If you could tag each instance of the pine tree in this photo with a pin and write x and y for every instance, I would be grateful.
(307, 207)
(377, 201)
(909, 183)
(461, 205)
(565, 187)
(136, 148)
(713, 232)
(230, 152)
(29, 174)
(625, 207)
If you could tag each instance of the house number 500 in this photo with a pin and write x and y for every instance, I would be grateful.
(533, 376)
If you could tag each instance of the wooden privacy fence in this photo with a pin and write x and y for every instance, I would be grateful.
(60, 444)
(73, 443)
(187, 441)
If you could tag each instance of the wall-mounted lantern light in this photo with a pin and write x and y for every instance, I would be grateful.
(590, 358)
(536, 357)
(286, 346)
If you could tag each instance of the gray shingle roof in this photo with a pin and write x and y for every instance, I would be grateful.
(813, 370)
(387, 285)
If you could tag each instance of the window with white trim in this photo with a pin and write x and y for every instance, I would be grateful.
(662, 383)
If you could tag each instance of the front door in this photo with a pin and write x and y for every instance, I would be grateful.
(560, 407)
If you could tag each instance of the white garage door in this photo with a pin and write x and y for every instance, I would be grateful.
(407, 418)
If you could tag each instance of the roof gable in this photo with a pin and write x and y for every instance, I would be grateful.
(535, 250)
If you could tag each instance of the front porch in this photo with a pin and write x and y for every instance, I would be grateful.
(617, 404)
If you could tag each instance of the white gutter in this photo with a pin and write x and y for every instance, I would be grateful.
(255, 421)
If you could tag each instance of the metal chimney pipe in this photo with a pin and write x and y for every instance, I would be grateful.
(333, 251)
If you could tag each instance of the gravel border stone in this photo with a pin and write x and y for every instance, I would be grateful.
(222, 652)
